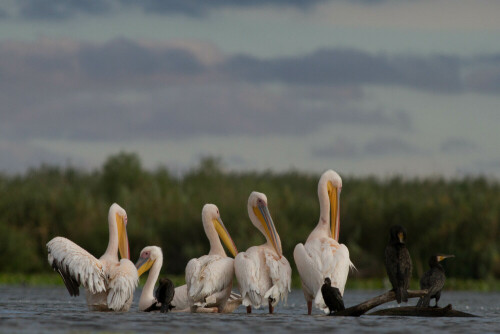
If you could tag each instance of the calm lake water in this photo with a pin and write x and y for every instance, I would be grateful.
(51, 309)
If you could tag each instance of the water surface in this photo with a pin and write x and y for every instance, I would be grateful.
(51, 309)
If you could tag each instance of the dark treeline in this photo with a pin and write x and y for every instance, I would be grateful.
(458, 217)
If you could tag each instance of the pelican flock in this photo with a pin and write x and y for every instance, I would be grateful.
(109, 283)
(263, 272)
(322, 256)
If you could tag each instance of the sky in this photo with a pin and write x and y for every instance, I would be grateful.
(364, 87)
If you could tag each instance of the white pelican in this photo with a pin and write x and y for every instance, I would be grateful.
(263, 273)
(152, 257)
(110, 283)
(209, 278)
(322, 256)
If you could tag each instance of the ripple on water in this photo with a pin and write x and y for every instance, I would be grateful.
(34, 309)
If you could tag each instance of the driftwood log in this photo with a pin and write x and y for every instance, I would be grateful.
(413, 311)
(360, 309)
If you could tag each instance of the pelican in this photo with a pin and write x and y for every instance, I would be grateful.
(151, 258)
(109, 283)
(322, 256)
(209, 278)
(263, 273)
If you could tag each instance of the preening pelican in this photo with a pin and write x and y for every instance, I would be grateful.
(322, 256)
(209, 278)
(110, 283)
(151, 258)
(263, 273)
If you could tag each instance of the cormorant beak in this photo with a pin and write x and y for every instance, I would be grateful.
(224, 235)
(123, 247)
(401, 237)
(262, 213)
(334, 195)
(442, 257)
(143, 265)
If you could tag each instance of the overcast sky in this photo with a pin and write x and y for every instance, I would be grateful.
(381, 87)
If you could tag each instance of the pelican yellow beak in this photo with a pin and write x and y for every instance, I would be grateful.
(334, 195)
(143, 265)
(224, 235)
(442, 257)
(123, 247)
(262, 213)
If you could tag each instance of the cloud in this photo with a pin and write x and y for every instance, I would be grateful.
(338, 148)
(456, 144)
(351, 67)
(20, 155)
(67, 9)
(123, 89)
(390, 146)
(60, 9)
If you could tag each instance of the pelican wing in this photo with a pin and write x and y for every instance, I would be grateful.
(309, 270)
(123, 280)
(281, 277)
(76, 266)
(180, 300)
(208, 275)
(246, 267)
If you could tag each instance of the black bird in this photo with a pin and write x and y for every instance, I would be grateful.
(433, 280)
(398, 263)
(164, 294)
(332, 297)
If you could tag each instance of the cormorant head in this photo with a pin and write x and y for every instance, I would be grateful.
(327, 281)
(397, 234)
(436, 258)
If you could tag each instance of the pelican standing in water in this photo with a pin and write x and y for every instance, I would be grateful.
(209, 278)
(151, 258)
(110, 283)
(322, 256)
(263, 273)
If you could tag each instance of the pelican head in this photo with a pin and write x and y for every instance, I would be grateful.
(261, 218)
(118, 216)
(148, 256)
(211, 219)
(330, 185)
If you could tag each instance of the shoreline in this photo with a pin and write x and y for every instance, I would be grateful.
(452, 284)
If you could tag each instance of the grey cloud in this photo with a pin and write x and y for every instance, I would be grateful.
(18, 156)
(60, 9)
(117, 63)
(66, 9)
(54, 10)
(338, 148)
(457, 144)
(390, 146)
(351, 67)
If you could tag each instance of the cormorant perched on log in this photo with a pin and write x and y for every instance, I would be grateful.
(398, 263)
(332, 297)
(164, 294)
(433, 280)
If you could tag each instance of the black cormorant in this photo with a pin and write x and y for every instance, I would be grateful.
(164, 294)
(433, 280)
(398, 263)
(332, 296)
